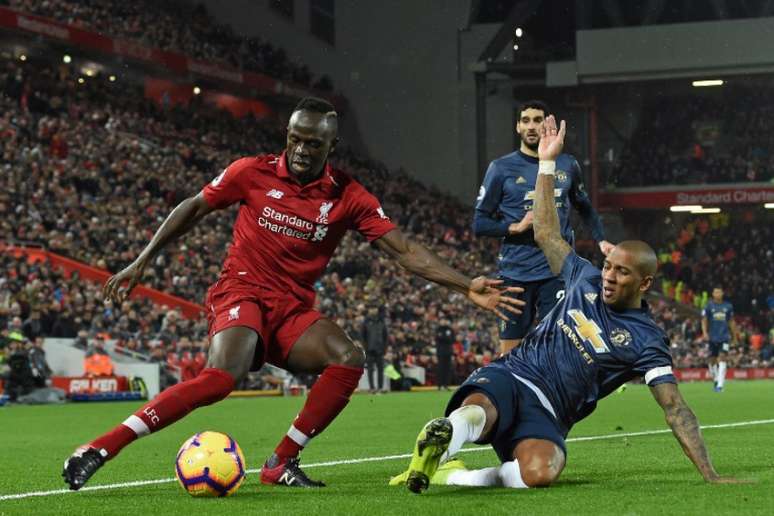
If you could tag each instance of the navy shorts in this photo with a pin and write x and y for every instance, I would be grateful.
(716, 348)
(520, 413)
(540, 297)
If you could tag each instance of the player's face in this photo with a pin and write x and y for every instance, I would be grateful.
(311, 138)
(717, 295)
(529, 125)
(622, 284)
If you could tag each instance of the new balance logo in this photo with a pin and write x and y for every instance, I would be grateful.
(277, 194)
(286, 479)
(233, 314)
(591, 297)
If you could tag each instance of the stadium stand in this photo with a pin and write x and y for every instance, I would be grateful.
(94, 168)
(176, 26)
(691, 139)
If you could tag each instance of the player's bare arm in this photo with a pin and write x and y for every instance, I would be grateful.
(419, 260)
(546, 219)
(685, 427)
(179, 222)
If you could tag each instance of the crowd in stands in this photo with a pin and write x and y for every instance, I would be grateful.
(176, 26)
(90, 170)
(723, 138)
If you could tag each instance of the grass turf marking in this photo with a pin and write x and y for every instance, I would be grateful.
(138, 483)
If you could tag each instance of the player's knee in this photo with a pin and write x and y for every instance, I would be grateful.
(538, 475)
(237, 371)
(351, 355)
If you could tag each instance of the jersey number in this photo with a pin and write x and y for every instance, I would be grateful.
(588, 331)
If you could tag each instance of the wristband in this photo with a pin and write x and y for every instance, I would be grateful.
(547, 168)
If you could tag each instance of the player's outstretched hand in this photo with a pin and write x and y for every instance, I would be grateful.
(551, 139)
(113, 289)
(488, 294)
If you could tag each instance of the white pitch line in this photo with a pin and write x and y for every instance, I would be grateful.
(138, 483)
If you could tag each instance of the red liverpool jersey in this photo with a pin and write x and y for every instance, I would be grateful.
(286, 233)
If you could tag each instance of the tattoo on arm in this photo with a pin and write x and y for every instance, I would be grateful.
(546, 224)
(685, 427)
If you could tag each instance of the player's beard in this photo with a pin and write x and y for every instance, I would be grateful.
(532, 146)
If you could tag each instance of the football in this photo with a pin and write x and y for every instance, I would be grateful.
(210, 464)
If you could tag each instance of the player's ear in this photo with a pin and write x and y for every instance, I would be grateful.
(333, 145)
(646, 283)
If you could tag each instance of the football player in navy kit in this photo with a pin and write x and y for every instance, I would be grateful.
(719, 330)
(504, 210)
(598, 337)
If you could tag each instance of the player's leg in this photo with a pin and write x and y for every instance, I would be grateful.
(714, 351)
(482, 406)
(516, 327)
(535, 463)
(323, 349)
(720, 380)
(230, 356)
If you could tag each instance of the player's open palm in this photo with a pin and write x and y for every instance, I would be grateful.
(489, 295)
(551, 139)
(113, 289)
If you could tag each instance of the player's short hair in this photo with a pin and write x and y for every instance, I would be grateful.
(645, 257)
(316, 105)
(532, 104)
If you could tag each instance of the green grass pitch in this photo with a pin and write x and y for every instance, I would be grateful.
(621, 475)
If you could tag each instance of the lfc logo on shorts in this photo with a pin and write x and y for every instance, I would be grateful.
(233, 313)
(325, 208)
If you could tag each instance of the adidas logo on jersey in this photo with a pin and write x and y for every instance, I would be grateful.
(277, 194)
(520, 180)
(591, 297)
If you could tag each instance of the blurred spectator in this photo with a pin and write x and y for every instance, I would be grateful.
(444, 339)
(97, 361)
(374, 335)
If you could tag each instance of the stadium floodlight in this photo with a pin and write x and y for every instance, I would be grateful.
(67, 59)
(708, 82)
(687, 207)
(112, 78)
(515, 47)
(81, 80)
(197, 90)
(22, 57)
(519, 32)
(706, 210)
(769, 205)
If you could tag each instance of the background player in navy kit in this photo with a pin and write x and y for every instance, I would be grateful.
(718, 329)
(598, 337)
(503, 210)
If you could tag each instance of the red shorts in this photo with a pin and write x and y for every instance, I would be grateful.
(279, 318)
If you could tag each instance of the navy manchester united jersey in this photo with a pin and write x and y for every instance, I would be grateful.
(583, 350)
(718, 316)
(507, 195)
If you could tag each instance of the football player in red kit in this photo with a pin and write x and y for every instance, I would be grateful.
(294, 211)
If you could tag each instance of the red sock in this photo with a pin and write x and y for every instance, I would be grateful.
(169, 406)
(328, 396)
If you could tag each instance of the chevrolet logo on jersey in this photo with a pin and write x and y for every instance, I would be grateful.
(588, 330)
